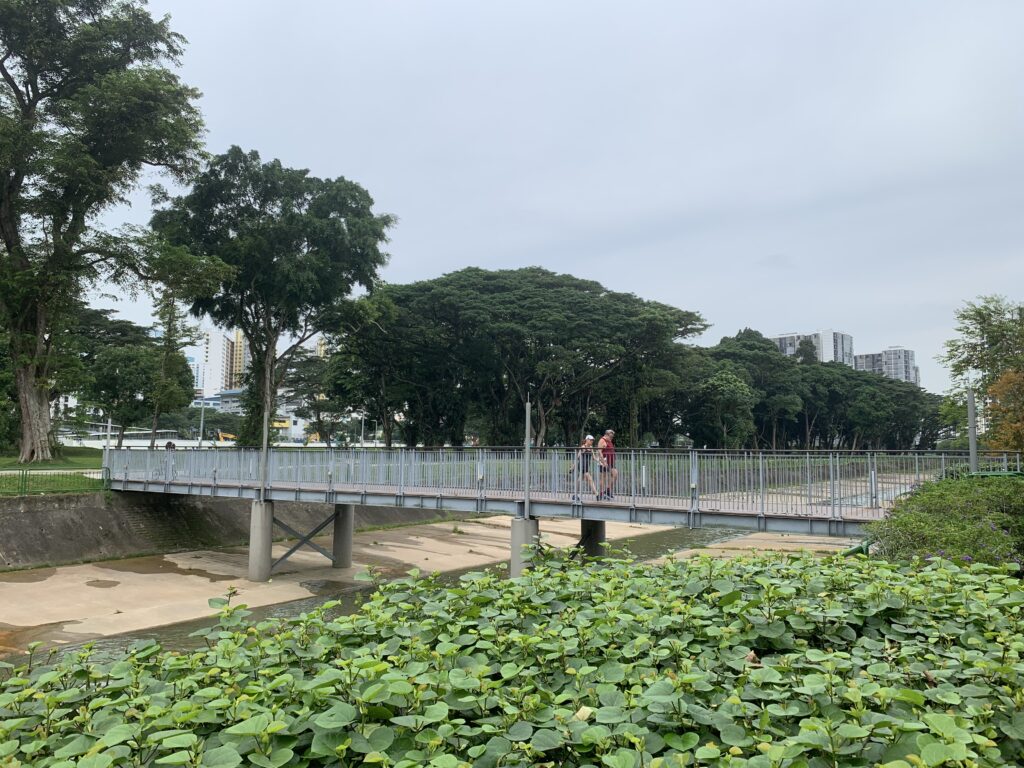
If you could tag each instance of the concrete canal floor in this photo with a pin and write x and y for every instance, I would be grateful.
(75, 603)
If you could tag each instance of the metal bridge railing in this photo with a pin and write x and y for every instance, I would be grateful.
(817, 484)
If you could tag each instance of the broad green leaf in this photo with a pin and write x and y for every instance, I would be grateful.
(225, 756)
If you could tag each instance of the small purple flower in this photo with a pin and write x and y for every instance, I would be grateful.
(968, 558)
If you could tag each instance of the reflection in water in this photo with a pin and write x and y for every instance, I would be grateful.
(177, 636)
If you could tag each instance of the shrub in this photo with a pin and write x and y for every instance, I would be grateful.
(970, 519)
(769, 662)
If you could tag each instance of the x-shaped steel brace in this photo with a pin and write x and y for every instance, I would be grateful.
(307, 540)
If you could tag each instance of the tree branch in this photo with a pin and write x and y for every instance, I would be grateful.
(9, 78)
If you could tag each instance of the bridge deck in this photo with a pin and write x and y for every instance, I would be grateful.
(723, 509)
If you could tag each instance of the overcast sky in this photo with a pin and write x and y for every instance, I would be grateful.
(784, 166)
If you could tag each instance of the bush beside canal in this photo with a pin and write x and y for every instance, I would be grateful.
(970, 519)
(765, 662)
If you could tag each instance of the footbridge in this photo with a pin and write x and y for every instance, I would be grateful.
(832, 493)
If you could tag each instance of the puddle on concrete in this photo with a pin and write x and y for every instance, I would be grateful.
(160, 564)
(102, 583)
(55, 636)
(28, 576)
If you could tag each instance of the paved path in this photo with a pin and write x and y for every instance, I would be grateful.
(78, 602)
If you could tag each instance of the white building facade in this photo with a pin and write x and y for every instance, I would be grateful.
(831, 345)
(218, 361)
(893, 363)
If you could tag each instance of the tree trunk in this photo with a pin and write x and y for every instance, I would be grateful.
(634, 422)
(538, 439)
(120, 436)
(35, 415)
(152, 431)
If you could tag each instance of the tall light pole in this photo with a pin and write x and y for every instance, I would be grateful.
(202, 420)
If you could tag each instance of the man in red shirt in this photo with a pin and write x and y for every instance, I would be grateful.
(606, 446)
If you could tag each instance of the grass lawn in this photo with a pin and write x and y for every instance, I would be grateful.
(69, 458)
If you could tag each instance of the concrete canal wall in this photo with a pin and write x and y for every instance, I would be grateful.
(60, 529)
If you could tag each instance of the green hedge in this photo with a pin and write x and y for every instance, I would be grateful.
(978, 519)
(769, 662)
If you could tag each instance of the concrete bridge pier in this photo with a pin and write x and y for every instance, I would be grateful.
(261, 540)
(344, 530)
(525, 533)
(592, 537)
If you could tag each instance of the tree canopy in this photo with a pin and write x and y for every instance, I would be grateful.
(988, 354)
(452, 358)
(86, 102)
(297, 246)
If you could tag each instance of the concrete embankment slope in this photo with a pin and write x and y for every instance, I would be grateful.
(53, 530)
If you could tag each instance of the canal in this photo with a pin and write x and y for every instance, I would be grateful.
(181, 637)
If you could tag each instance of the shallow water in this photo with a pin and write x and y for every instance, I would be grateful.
(177, 636)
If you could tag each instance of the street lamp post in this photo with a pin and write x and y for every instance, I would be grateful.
(202, 420)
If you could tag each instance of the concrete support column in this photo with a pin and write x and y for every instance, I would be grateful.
(261, 540)
(525, 533)
(344, 530)
(592, 536)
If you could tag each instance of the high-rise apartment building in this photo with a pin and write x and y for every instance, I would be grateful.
(241, 359)
(893, 363)
(831, 346)
(212, 361)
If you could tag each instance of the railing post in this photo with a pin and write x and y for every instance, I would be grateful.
(401, 471)
(810, 493)
(832, 483)
(873, 479)
(632, 478)
(917, 470)
(694, 488)
(761, 483)
(942, 466)
(554, 471)
(362, 468)
(526, 462)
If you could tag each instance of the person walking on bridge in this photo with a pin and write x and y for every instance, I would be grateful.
(585, 454)
(606, 447)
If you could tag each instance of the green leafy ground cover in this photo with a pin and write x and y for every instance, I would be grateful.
(968, 519)
(765, 662)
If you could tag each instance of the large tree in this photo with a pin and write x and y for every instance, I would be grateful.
(988, 354)
(989, 342)
(86, 102)
(298, 245)
(121, 385)
(308, 383)
(173, 385)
